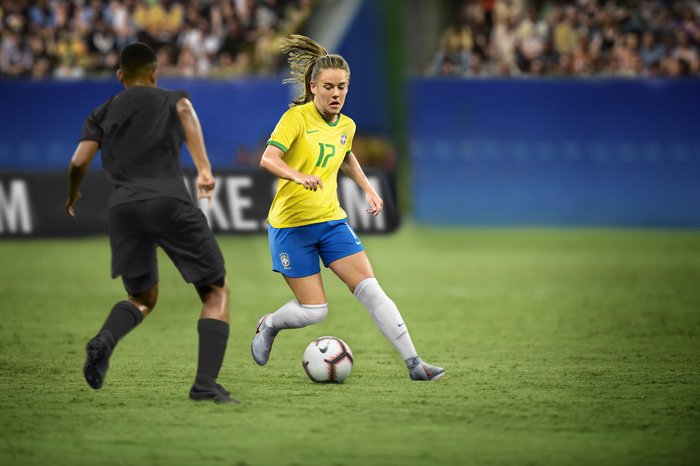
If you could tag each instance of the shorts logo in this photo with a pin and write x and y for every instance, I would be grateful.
(284, 258)
(343, 138)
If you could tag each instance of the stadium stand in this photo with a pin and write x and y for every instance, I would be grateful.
(72, 39)
(647, 38)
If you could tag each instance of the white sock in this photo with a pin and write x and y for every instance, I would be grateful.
(386, 316)
(295, 315)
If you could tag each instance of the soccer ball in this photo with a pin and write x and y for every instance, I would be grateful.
(327, 360)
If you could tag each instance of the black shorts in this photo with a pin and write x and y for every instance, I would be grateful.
(181, 229)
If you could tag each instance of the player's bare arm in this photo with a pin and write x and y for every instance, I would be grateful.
(351, 167)
(194, 139)
(79, 164)
(272, 161)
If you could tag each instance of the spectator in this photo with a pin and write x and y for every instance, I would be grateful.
(626, 56)
(15, 57)
(651, 51)
(40, 59)
(41, 16)
(564, 33)
(452, 58)
(234, 41)
(102, 45)
(503, 42)
(686, 54)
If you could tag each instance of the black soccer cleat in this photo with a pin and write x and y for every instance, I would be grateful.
(98, 350)
(211, 391)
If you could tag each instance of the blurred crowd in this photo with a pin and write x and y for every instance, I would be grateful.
(193, 38)
(647, 38)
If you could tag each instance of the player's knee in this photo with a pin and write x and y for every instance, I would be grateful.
(215, 297)
(217, 288)
(315, 313)
(367, 290)
(142, 291)
(145, 300)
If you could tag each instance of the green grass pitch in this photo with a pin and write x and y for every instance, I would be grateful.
(561, 347)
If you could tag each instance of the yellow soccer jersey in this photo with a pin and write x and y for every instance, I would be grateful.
(311, 146)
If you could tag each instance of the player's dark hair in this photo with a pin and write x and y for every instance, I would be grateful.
(307, 58)
(137, 60)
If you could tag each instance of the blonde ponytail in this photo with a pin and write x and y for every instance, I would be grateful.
(307, 58)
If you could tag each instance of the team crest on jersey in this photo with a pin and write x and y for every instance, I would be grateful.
(286, 263)
(343, 138)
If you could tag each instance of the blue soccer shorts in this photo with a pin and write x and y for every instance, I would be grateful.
(295, 251)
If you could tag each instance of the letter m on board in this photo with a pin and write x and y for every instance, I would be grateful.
(15, 215)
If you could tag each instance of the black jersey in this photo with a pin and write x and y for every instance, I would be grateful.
(140, 135)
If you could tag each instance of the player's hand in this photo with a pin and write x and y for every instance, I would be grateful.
(376, 204)
(205, 186)
(69, 203)
(309, 182)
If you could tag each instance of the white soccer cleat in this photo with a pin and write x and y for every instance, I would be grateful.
(262, 341)
(421, 370)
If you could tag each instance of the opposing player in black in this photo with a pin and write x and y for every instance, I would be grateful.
(140, 132)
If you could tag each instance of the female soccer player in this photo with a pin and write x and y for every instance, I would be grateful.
(307, 147)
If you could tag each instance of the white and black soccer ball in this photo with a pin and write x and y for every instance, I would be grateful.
(328, 360)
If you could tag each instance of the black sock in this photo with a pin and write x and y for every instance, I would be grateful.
(213, 336)
(123, 318)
